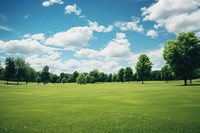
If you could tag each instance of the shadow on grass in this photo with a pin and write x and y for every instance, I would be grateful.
(189, 85)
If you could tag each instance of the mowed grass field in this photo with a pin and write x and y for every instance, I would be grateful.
(152, 107)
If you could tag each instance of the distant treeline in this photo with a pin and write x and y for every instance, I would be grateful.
(20, 71)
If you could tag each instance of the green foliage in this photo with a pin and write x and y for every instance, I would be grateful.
(166, 73)
(120, 75)
(102, 77)
(45, 77)
(114, 77)
(53, 78)
(128, 74)
(88, 78)
(155, 75)
(9, 72)
(95, 73)
(38, 79)
(81, 79)
(20, 68)
(74, 76)
(143, 67)
(183, 55)
(64, 80)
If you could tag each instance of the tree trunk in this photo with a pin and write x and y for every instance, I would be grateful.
(185, 81)
(142, 82)
(190, 81)
(7, 81)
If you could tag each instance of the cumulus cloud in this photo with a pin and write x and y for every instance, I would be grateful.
(152, 33)
(72, 9)
(57, 65)
(133, 25)
(71, 39)
(24, 47)
(174, 15)
(118, 50)
(99, 28)
(51, 2)
(119, 47)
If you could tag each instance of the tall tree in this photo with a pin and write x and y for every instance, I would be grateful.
(120, 75)
(128, 74)
(102, 77)
(20, 67)
(114, 77)
(109, 78)
(143, 67)
(183, 55)
(95, 73)
(75, 75)
(45, 75)
(9, 72)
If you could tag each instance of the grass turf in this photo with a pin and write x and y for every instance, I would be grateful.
(108, 107)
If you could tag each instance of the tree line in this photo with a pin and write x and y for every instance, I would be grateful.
(182, 58)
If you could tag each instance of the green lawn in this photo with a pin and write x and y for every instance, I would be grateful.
(108, 107)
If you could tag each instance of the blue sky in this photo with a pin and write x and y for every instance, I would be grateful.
(71, 35)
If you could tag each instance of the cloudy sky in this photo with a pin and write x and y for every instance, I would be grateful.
(82, 35)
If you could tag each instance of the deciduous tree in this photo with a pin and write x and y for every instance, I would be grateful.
(183, 55)
(143, 67)
(9, 72)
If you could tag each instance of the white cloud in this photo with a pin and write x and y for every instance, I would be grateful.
(51, 2)
(89, 53)
(57, 65)
(99, 28)
(72, 9)
(6, 28)
(174, 15)
(133, 25)
(119, 48)
(24, 47)
(152, 33)
(72, 39)
(39, 37)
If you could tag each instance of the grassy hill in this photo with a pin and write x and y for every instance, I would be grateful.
(108, 107)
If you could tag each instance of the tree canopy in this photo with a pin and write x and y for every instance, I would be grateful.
(9, 69)
(143, 67)
(45, 77)
(183, 55)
